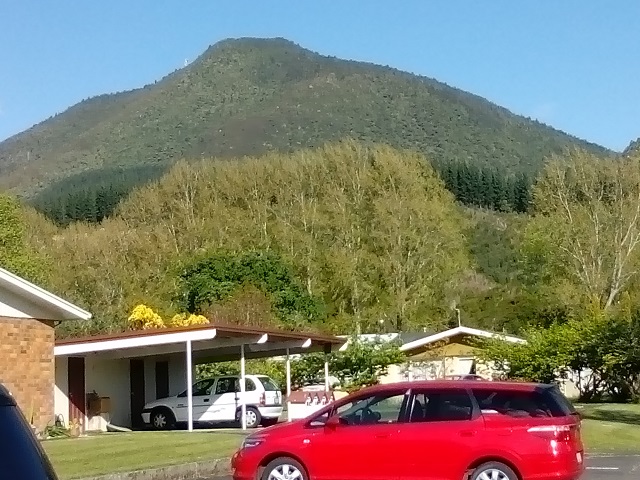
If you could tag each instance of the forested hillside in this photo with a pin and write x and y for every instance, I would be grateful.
(250, 96)
(341, 238)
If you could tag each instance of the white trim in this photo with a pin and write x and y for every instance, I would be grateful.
(457, 331)
(189, 387)
(72, 311)
(133, 342)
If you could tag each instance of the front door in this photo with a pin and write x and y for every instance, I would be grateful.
(77, 398)
(136, 377)
(362, 447)
(201, 397)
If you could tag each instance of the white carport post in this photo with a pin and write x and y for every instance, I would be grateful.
(243, 415)
(326, 369)
(189, 387)
(288, 375)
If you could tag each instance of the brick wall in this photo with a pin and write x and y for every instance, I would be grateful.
(27, 366)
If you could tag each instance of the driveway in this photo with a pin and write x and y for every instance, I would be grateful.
(617, 467)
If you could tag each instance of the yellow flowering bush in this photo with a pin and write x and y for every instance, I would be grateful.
(144, 318)
(184, 320)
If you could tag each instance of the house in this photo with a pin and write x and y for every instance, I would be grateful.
(453, 352)
(433, 355)
(28, 315)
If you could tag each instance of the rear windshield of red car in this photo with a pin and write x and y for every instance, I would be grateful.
(538, 402)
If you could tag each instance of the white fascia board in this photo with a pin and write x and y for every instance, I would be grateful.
(133, 342)
(457, 331)
(33, 291)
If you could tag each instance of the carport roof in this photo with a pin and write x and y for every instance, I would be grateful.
(211, 342)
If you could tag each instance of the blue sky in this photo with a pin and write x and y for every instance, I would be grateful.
(570, 63)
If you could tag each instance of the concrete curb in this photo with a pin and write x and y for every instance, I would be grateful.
(196, 470)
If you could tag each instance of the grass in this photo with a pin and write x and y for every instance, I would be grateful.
(610, 428)
(120, 452)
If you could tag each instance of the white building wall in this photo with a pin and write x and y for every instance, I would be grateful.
(61, 390)
(110, 378)
(177, 374)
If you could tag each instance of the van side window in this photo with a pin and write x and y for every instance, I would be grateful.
(518, 403)
(249, 385)
(441, 405)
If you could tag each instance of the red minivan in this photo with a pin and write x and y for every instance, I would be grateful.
(432, 430)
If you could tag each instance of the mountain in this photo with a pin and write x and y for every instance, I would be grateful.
(247, 96)
(633, 148)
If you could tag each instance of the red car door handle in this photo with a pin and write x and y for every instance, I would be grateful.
(382, 435)
(467, 433)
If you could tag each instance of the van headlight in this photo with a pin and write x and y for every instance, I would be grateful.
(251, 442)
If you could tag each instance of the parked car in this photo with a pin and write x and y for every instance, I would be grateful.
(464, 376)
(219, 399)
(461, 429)
(21, 455)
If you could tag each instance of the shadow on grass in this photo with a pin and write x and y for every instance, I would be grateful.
(613, 415)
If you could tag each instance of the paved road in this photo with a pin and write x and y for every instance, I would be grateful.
(613, 467)
(598, 468)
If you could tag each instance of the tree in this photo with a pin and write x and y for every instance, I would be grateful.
(604, 343)
(362, 363)
(216, 278)
(586, 224)
(416, 236)
(16, 255)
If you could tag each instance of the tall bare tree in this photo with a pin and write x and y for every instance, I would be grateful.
(586, 225)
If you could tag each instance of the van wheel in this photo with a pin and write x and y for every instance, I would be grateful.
(253, 417)
(162, 419)
(493, 471)
(284, 467)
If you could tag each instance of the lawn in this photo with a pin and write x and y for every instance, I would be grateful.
(118, 452)
(610, 428)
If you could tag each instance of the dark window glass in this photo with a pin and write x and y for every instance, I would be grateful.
(21, 456)
(226, 385)
(519, 403)
(249, 386)
(269, 385)
(563, 402)
(379, 409)
(442, 405)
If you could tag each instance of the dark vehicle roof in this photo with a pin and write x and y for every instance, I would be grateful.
(502, 385)
(6, 400)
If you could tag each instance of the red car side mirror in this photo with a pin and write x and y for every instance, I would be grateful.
(333, 422)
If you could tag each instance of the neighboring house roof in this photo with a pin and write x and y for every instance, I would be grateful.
(413, 340)
(458, 331)
(25, 299)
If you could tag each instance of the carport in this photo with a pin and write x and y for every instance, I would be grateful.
(120, 364)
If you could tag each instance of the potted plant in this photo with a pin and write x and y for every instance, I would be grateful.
(75, 427)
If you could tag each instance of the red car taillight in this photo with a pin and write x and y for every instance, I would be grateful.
(559, 433)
